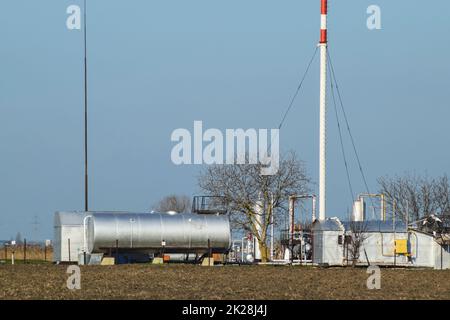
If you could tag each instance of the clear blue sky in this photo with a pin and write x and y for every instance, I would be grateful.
(156, 65)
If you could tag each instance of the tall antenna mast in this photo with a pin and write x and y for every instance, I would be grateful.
(86, 201)
(323, 110)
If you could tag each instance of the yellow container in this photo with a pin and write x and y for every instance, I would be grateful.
(158, 261)
(108, 261)
(401, 246)
(208, 262)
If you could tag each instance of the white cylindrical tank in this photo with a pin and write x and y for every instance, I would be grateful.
(358, 210)
(154, 232)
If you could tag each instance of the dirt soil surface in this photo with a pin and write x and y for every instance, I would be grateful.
(219, 282)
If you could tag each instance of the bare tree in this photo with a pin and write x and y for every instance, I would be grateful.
(415, 197)
(252, 197)
(177, 203)
(441, 192)
(358, 234)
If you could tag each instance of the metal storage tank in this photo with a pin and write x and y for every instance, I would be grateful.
(156, 232)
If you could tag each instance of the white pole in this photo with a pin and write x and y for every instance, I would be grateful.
(323, 131)
(271, 227)
(291, 227)
(271, 236)
(323, 110)
(242, 250)
(313, 208)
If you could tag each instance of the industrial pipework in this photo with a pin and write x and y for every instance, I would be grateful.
(359, 207)
(292, 200)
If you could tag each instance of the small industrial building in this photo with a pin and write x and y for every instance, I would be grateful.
(68, 236)
(383, 243)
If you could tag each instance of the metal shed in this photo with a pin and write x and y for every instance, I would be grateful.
(326, 238)
(384, 244)
(68, 236)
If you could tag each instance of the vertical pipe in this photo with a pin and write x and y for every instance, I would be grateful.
(209, 252)
(271, 236)
(6, 252)
(242, 250)
(209, 248)
(68, 246)
(291, 227)
(313, 208)
(291, 217)
(301, 247)
(85, 246)
(117, 252)
(395, 241)
(395, 253)
(346, 241)
(271, 227)
(131, 238)
(24, 251)
(323, 110)
(304, 254)
(86, 193)
(45, 252)
(254, 248)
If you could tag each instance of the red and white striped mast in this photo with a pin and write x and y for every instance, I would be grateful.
(323, 110)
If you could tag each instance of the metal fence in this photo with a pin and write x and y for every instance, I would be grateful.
(23, 252)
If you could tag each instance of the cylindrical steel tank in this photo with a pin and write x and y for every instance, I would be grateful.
(156, 232)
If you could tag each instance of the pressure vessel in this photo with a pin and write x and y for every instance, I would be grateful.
(157, 232)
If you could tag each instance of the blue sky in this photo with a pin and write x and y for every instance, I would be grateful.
(155, 66)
